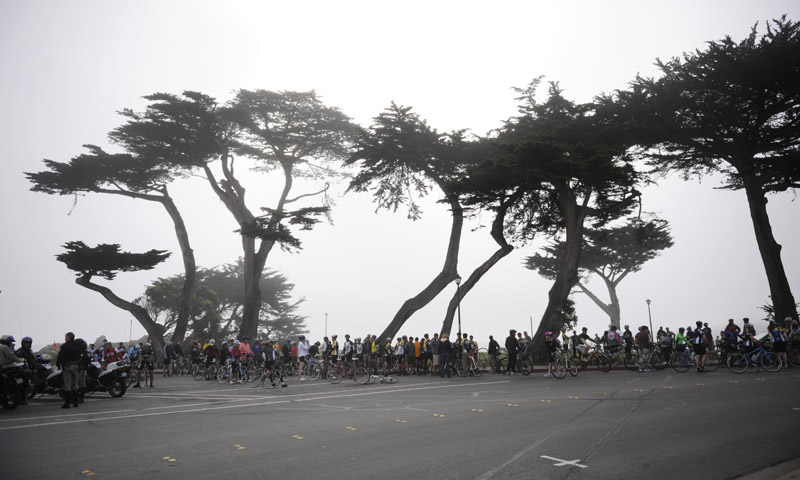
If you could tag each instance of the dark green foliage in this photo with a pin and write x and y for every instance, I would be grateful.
(106, 260)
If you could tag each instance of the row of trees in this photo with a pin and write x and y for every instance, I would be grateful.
(559, 169)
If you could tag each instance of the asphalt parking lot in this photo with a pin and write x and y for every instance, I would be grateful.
(597, 425)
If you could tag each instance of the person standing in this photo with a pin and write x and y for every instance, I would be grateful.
(700, 343)
(645, 344)
(69, 357)
(512, 347)
(302, 355)
(435, 354)
(627, 337)
(494, 347)
(445, 349)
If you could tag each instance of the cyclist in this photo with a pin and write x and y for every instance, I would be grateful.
(627, 337)
(700, 343)
(551, 345)
(645, 343)
(681, 342)
(614, 339)
(148, 360)
(302, 355)
(778, 342)
(466, 350)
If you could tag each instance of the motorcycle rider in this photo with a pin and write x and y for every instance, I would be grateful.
(26, 352)
(7, 357)
(69, 358)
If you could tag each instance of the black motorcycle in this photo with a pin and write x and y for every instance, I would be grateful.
(114, 379)
(11, 385)
(40, 372)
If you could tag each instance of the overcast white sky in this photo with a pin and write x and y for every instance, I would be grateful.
(68, 67)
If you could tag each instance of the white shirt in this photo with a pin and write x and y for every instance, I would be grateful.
(302, 349)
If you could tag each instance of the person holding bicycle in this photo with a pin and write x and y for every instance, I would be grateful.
(148, 362)
(551, 345)
(645, 345)
(700, 342)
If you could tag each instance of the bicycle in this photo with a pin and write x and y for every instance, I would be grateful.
(593, 356)
(230, 373)
(741, 362)
(564, 364)
(272, 377)
(359, 374)
(206, 370)
(471, 368)
(382, 378)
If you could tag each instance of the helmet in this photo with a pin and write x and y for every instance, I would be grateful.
(211, 342)
(699, 323)
(137, 347)
(148, 345)
(288, 339)
(547, 334)
(44, 358)
(10, 339)
(27, 340)
(237, 342)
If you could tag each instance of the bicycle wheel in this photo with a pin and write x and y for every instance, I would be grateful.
(657, 360)
(738, 363)
(631, 362)
(604, 364)
(389, 379)
(274, 378)
(477, 371)
(460, 369)
(525, 366)
(199, 372)
(712, 361)
(362, 375)
(334, 374)
(572, 368)
(681, 362)
(259, 380)
(771, 362)
(793, 356)
(224, 375)
(313, 371)
(559, 370)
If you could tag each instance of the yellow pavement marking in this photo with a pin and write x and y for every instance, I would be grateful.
(761, 379)
(734, 381)
(638, 390)
(700, 384)
(172, 460)
(165, 458)
(351, 428)
(543, 401)
(668, 387)
(298, 437)
(602, 394)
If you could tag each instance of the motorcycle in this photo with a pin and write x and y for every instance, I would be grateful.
(11, 385)
(38, 384)
(114, 379)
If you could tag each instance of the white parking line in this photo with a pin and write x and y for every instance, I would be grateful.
(270, 401)
(562, 463)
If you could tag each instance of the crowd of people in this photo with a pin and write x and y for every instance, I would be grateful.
(435, 355)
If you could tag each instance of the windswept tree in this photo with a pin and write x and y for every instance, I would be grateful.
(731, 109)
(571, 169)
(106, 261)
(216, 308)
(611, 253)
(401, 159)
(292, 133)
(132, 176)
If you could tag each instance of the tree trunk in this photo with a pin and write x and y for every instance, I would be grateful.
(189, 268)
(154, 330)
(612, 307)
(780, 291)
(440, 282)
(478, 273)
(567, 278)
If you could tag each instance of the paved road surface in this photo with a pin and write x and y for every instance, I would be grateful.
(616, 425)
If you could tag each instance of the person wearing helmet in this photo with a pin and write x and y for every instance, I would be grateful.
(25, 352)
(627, 337)
(147, 365)
(302, 356)
(286, 351)
(614, 339)
(700, 342)
(551, 345)
(645, 346)
(212, 354)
